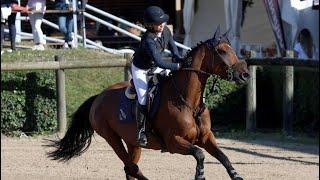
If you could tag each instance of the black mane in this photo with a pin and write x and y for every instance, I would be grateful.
(194, 49)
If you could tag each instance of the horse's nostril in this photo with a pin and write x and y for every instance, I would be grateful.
(245, 76)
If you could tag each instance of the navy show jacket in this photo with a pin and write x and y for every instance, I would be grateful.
(151, 50)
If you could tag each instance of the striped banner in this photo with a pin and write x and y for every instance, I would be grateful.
(274, 16)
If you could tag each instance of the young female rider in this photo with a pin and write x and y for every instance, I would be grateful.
(156, 39)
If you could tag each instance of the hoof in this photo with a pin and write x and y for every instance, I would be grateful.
(234, 175)
(200, 178)
(128, 177)
(237, 178)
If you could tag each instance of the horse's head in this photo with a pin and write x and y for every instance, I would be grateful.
(219, 58)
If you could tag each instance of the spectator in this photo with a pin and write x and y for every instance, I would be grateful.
(7, 16)
(37, 8)
(65, 21)
(304, 47)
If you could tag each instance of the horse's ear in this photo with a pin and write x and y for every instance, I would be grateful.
(226, 33)
(217, 33)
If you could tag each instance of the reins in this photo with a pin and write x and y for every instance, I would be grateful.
(197, 71)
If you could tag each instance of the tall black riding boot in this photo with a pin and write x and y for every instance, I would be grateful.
(141, 111)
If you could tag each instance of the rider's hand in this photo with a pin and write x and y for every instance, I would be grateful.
(177, 60)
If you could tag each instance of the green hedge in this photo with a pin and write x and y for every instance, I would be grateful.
(227, 103)
(306, 100)
(28, 102)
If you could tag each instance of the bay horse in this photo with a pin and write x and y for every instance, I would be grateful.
(182, 120)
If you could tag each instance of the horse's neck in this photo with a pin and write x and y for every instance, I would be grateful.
(192, 87)
(192, 84)
(196, 82)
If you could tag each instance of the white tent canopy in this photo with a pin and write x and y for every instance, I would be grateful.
(188, 13)
(233, 12)
(296, 15)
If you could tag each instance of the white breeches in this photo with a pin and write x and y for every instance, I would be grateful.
(140, 80)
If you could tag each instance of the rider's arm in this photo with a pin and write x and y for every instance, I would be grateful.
(152, 51)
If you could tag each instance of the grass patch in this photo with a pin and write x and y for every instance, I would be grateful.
(80, 54)
(84, 83)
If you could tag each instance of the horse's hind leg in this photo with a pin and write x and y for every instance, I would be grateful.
(209, 144)
(131, 169)
(134, 154)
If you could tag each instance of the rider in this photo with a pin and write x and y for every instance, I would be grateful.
(154, 41)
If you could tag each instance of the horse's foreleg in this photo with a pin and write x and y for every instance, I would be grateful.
(182, 146)
(209, 144)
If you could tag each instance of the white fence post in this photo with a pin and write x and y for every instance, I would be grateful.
(287, 98)
(251, 100)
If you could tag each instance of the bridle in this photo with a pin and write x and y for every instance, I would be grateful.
(199, 110)
(229, 69)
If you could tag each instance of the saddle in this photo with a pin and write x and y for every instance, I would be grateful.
(129, 98)
(152, 92)
(130, 91)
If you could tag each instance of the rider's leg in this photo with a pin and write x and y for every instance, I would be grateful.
(141, 124)
(140, 81)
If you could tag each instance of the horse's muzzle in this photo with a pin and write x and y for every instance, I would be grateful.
(242, 78)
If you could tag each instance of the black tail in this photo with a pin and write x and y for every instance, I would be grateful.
(78, 137)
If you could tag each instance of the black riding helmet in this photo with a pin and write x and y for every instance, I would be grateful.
(154, 15)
